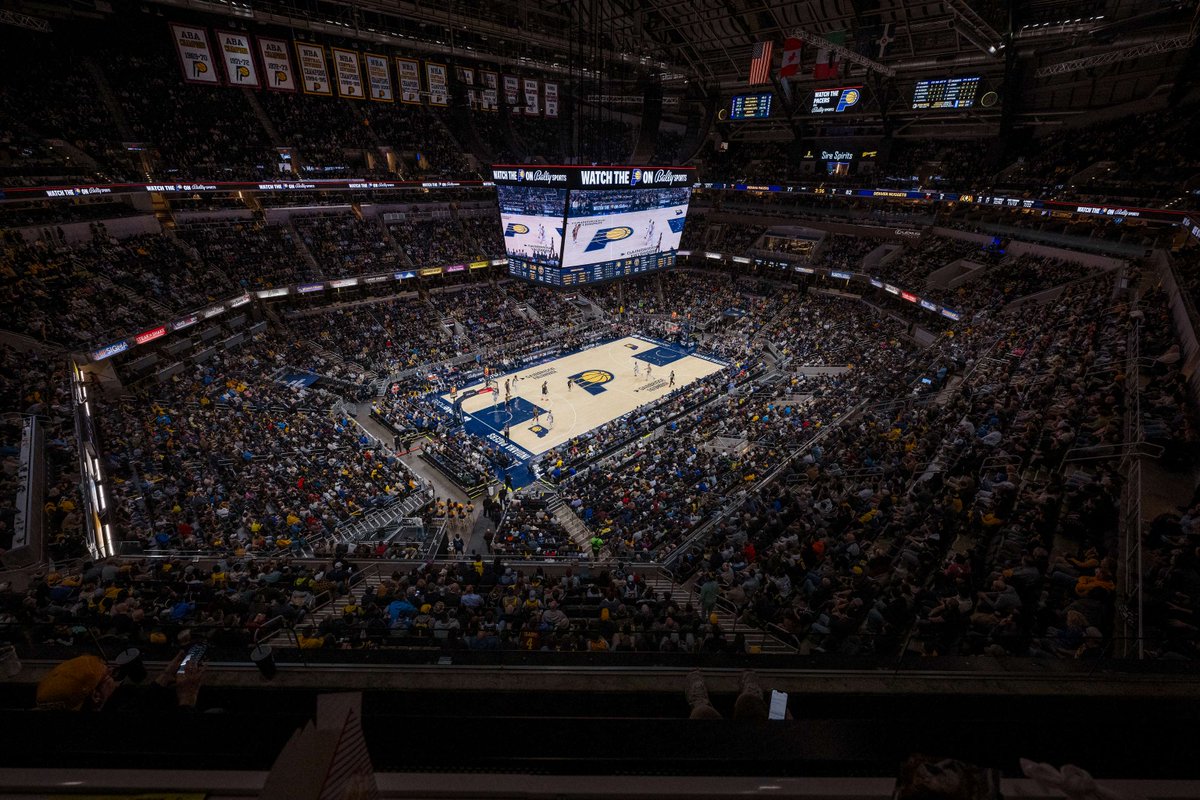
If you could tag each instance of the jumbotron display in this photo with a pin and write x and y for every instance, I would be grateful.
(567, 226)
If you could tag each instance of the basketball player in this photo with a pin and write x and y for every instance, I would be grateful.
(649, 369)
(545, 388)
(575, 232)
(549, 420)
(637, 372)
(672, 378)
(507, 391)
(569, 385)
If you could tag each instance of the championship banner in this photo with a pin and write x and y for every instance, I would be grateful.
(409, 72)
(510, 94)
(277, 64)
(439, 92)
(380, 78)
(531, 98)
(349, 73)
(489, 99)
(466, 75)
(240, 69)
(195, 56)
(551, 99)
(313, 71)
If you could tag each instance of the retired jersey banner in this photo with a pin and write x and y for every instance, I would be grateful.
(532, 107)
(240, 69)
(489, 100)
(313, 70)
(439, 91)
(195, 56)
(277, 65)
(409, 72)
(379, 77)
(349, 73)
(551, 99)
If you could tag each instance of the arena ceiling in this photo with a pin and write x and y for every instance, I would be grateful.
(1046, 59)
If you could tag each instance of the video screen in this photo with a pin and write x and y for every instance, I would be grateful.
(532, 218)
(945, 93)
(750, 106)
(835, 101)
(623, 231)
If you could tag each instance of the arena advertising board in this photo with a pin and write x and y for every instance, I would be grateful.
(569, 177)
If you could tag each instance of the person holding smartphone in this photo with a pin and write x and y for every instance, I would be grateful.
(87, 683)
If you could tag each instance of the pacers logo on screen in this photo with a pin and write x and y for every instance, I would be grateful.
(606, 236)
(514, 228)
(849, 98)
(591, 381)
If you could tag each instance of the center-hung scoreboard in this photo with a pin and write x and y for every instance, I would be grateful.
(568, 226)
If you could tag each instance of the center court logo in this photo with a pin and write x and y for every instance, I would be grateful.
(591, 381)
(514, 228)
(605, 236)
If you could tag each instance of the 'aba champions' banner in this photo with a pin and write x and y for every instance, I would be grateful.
(240, 69)
(195, 56)
(277, 64)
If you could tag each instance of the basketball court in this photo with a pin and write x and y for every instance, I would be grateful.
(606, 382)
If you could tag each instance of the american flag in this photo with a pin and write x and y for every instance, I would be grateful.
(760, 63)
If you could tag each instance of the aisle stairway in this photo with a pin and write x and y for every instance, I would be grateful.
(661, 581)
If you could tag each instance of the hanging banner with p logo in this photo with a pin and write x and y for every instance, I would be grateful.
(551, 99)
(532, 106)
(409, 71)
(240, 69)
(195, 56)
(277, 65)
(439, 86)
(379, 78)
(349, 73)
(313, 70)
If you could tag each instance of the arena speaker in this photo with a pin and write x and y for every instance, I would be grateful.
(702, 108)
(652, 101)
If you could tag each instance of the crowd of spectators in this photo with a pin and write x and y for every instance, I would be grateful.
(59, 294)
(329, 136)
(385, 337)
(923, 519)
(434, 242)
(250, 253)
(346, 244)
(228, 458)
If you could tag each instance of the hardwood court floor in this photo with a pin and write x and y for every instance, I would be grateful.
(603, 388)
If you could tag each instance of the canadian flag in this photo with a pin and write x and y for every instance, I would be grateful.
(791, 57)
